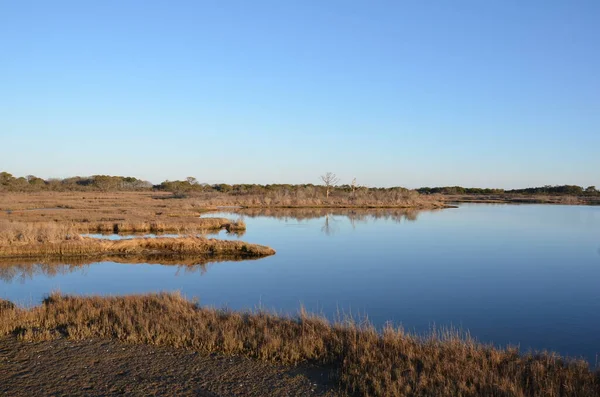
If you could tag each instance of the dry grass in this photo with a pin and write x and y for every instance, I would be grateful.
(134, 247)
(40, 232)
(125, 212)
(236, 226)
(522, 199)
(369, 363)
(314, 198)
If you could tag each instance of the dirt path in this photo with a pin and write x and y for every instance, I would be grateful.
(106, 368)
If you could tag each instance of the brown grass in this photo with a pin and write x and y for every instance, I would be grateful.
(40, 232)
(135, 247)
(369, 363)
(314, 198)
(118, 212)
(522, 199)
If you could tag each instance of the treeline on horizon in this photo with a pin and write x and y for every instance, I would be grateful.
(569, 190)
(31, 183)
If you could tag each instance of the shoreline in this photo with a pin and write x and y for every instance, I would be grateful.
(506, 199)
(365, 361)
(136, 247)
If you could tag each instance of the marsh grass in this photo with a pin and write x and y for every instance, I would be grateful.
(183, 246)
(131, 212)
(368, 362)
(507, 198)
(236, 226)
(48, 239)
(197, 226)
(314, 198)
(28, 233)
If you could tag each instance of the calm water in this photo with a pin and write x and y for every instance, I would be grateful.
(527, 275)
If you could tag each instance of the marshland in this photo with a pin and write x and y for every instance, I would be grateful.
(299, 198)
(392, 301)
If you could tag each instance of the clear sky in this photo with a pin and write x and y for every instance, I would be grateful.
(495, 93)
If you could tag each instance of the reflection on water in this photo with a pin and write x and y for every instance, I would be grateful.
(353, 215)
(328, 228)
(330, 216)
(129, 236)
(22, 270)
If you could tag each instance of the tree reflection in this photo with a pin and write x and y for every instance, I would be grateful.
(329, 227)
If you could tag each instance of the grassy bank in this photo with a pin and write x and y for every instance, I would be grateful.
(368, 363)
(314, 199)
(199, 225)
(119, 212)
(14, 232)
(135, 247)
(62, 240)
(522, 199)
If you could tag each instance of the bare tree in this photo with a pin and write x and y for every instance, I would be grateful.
(191, 180)
(330, 180)
(354, 185)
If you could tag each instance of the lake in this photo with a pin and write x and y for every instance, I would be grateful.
(526, 275)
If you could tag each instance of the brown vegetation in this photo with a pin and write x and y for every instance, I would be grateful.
(369, 363)
(313, 197)
(523, 199)
(353, 214)
(82, 246)
(115, 212)
(44, 217)
(328, 195)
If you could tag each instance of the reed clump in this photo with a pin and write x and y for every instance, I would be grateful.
(367, 362)
(236, 226)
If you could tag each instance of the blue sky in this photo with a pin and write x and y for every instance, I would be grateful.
(411, 93)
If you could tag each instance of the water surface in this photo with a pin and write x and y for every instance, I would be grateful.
(518, 274)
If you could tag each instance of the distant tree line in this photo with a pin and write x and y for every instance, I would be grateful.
(458, 190)
(571, 190)
(190, 185)
(563, 190)
(31, 183)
